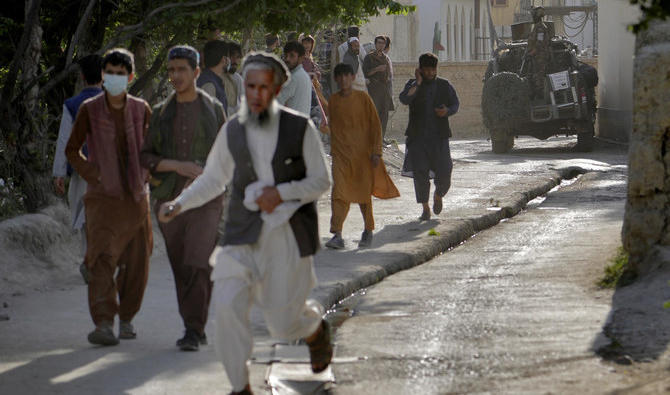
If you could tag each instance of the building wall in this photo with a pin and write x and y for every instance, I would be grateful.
(503, 15)
(466, 77)
(402, 29)
(412, 35)
(616, 46)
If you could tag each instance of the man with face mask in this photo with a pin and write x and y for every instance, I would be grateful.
(181, 133)
(432, 100)
(275, 160)
(118, 226)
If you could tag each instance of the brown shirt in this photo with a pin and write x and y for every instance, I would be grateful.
(185, 122)
(355, 134)
(82, 128)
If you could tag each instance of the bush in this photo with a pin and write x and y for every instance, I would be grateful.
(619, 273)
(11, 199)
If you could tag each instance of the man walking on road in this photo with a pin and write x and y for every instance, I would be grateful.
(353, 58)
(351, 32)
(377, 70)
(211, 79)
(275, 160)
(356, 148)
(182, 131)
(297, 92)
(232, 81)
(118, 225)
(271, 43)
(432, 100)
(91, 74)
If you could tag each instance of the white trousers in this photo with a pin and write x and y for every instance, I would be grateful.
(75, 199)
(272, 274)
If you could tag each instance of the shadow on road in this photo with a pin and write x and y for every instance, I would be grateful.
(638, 327)
(391, 233)
(528, 150)
(115, 370)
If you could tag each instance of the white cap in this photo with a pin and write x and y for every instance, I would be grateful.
(352, 39)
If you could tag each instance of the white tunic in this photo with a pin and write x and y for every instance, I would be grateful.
(77, 188)
(262, 141)
(270, 272)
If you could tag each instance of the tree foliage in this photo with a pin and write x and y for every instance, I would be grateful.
(40, 42)
(651, 9)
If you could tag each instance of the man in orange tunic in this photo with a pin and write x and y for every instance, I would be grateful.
(356, 148)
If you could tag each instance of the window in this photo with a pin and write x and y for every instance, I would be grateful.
(499, 3)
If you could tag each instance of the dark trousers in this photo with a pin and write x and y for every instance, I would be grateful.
(190, 239)
(384, 119)
(426, 155)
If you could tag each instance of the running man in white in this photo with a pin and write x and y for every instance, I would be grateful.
(274, 158)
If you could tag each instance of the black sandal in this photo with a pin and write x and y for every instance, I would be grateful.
(321, 350)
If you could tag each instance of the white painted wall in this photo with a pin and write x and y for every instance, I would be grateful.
(412, 35)
(616, 48)
(584, 38)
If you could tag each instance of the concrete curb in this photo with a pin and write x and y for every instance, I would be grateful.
(449, 236)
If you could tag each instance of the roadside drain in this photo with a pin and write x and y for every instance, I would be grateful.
(565, 182)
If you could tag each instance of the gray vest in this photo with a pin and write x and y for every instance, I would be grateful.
(243, 226)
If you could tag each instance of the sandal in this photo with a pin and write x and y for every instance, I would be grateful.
(321, 350)
(245, 391)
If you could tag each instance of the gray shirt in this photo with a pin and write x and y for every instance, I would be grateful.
(297, 92)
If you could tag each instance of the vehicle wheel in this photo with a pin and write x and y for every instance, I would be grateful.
(585, 139)
(502, 144)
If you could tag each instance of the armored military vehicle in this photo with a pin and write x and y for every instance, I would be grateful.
(510, 107)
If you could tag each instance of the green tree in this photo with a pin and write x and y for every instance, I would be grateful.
(40, 42)
(651, 9)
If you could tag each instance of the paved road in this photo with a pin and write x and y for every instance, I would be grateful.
(43, 347)
(512, 310)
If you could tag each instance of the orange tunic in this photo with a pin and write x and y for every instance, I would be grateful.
(356, 134)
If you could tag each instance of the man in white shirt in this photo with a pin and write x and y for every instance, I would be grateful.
(353, 58)
(91, 74)
(275, 160)
(352, 31)
(297, 92)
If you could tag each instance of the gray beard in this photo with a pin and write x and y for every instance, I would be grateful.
(260, 119)
(245, 113)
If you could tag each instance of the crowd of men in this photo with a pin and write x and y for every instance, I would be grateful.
(245, 127)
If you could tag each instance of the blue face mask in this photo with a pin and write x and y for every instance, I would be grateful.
(115, 84)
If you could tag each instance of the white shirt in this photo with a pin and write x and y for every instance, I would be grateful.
(64, 131)
(262, 143)
(359, 83)
(297, 92)
(342, 49)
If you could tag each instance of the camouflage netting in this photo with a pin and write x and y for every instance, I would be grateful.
(505, 98)
(508, 60)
